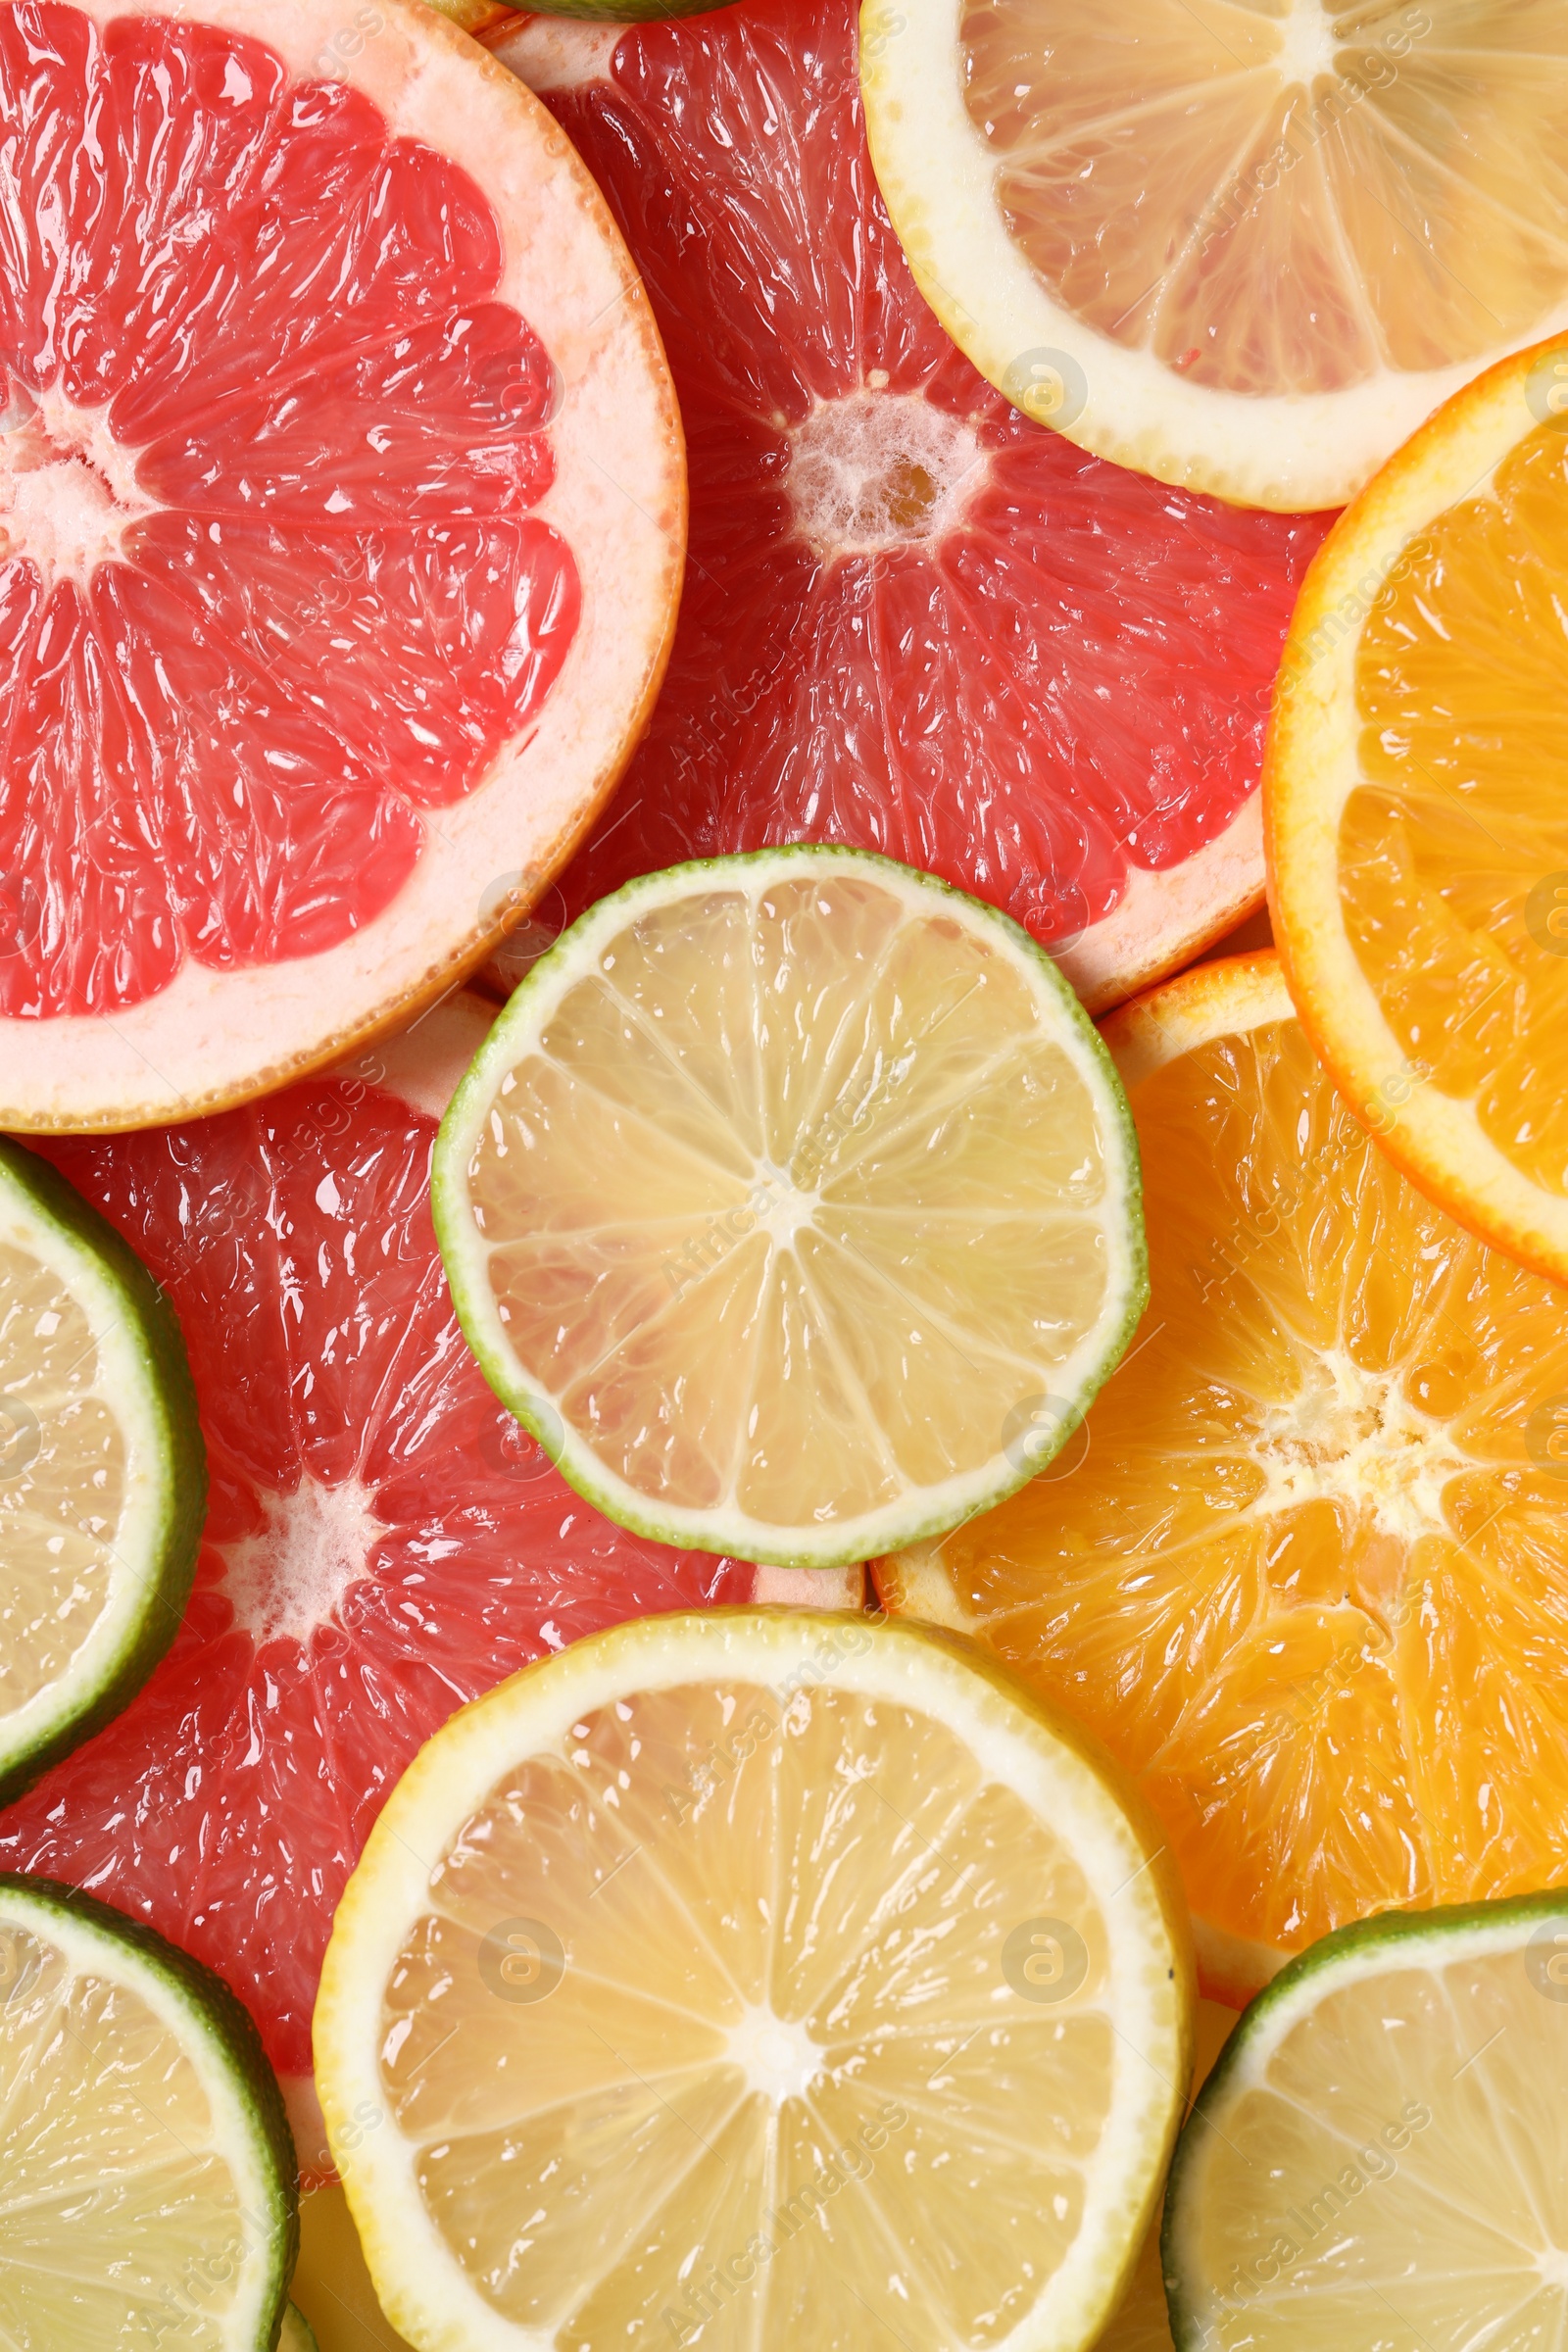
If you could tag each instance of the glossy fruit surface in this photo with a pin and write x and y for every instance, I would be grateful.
(915, 621)
(382, 1540)
(310, 330)
(781, 1969)
(1300, 1568)
(1418, 876)
(1248, 247)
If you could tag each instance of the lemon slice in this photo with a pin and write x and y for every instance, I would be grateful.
(1245, 245)
(792, 1203)
(1417, 854)
(148, 2177)
(1299, 1568)
(103, 1479)
(1378, 2157)
(750, 1980)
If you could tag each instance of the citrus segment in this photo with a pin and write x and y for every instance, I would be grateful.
(694, 1972)
(102, 1476)
(1421, 900)
(781, 1189)
(1297, 1567)
(148, 2180)
(1377, 2157)
(303, 353)
(382, 1540)
(912, 617)
(1245, 247)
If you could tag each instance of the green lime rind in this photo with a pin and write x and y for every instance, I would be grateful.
(218, 2037)
(298, 2335)
(1400, 1937)
(174, 1469)
(730, 1534)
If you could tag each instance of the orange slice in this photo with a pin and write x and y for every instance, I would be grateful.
(1300, 1569)
(1414, 796)
(1245, 245)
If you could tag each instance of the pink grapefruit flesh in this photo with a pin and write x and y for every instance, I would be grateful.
(914, 618)
(383, 1540)
(341, 522)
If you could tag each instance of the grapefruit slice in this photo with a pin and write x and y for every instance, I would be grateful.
(382, 1539)
(1418, 858)
(1301, 1570)
(756, 1979)
(1247, 246)
(341, 520)
(915, 621)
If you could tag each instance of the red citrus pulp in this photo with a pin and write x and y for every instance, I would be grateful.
(323, 628)
(383, 1540)
(914, 619)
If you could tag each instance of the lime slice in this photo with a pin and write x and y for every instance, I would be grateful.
(749, 1980)
(1377, 2159)
(793, 1204)
(103, 1476)
(148, 2172)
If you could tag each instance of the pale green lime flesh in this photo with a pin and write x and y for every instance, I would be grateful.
(793, 1203)
(149, 2179)
(1380, 2157)
(103, 1475)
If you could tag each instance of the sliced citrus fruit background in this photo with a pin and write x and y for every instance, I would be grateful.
(1416, 843)
(787, 1971)
(342, 524)
(382, 1541)
(1246, 245)
(149, 2175)
(1377, 2157)
(913, 620)
(783, 1192)
(103, 1481)
(1300, 1568)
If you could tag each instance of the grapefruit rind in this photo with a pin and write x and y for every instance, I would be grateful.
(248, 2128)
(214, 1038)
(1336, 1966)
(1020, 1742)
(1312, 768)
(928, 1513)
(1287, 451)
(144, 1382)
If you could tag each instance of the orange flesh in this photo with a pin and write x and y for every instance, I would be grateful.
(1306, 1581)
(1453, 861)
(1161, 160)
